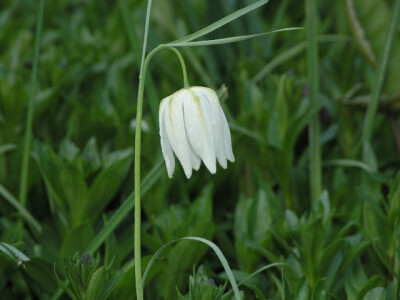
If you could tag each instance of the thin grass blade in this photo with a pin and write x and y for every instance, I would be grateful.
(21, 210)
(228, 40)
(348, 163)
(221, 22)
(217, 251)
(146, 33)
(255, 273)
(124, 209)
(13, 253)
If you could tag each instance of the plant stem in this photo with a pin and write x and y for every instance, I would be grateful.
(23, 187)
(138, 143)
(185, 79)
(380, 76)
(314, 127)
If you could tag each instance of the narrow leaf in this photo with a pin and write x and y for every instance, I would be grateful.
(227, 40)
(13, 253)
(348, 163)
(124, 209)
(217, 251)
(221, 22)
(21, 210)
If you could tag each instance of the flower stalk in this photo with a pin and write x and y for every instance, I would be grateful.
(138, 143)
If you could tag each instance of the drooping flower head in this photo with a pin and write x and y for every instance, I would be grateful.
(194, 127)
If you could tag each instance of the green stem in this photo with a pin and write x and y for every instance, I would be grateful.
(380, 77)
(138, 143)
(185, 79)
(23, 187)
(314, 127)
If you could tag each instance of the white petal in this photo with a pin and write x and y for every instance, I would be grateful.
(219, 130)
(175, 128)
(199, 123)
(196, 160)
(226, 138)
(165, 145)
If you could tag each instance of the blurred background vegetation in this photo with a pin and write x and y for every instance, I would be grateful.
(258, 210)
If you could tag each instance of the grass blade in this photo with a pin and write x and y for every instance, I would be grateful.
(21, 210)
(348, 163)
(217, 251)
(13, 253)
(221, 22)
(146, 33)
(313, 81)
(228, 40)
(23, 187)
(124, 209)
(379, 78)
(255, 273)
(292, 52)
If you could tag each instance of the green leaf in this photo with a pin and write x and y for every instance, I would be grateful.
(221, 22)
(372, 283)
(370, 23)
(181, 259)
(150, 179)
(293, 52)
(348, 163)
(217, 251)
(13, 253)
(77, 240)
(262, 269)
(227, 40)
(106, 185)
(76, 192)
(6, 148)
(41, 272)
(64, 286)
(301, 290)
(96, 285)
(377, 293)
(21, 210)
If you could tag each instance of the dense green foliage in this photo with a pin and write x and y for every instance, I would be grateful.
(259, 210)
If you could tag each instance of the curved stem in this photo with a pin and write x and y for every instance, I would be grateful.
(138, 143)
(185, 79)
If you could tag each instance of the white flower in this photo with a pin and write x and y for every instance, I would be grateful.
(194, 127)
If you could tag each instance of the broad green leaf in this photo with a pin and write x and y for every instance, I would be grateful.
(42, 273)
(106, 184)
(76, 192)
(50, 165)
(77, 240)
(96, 285)
(301, 292)
(374, 282)
(319, 292)
(377, 293)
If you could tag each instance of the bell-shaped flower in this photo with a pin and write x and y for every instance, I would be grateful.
(194, 127)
